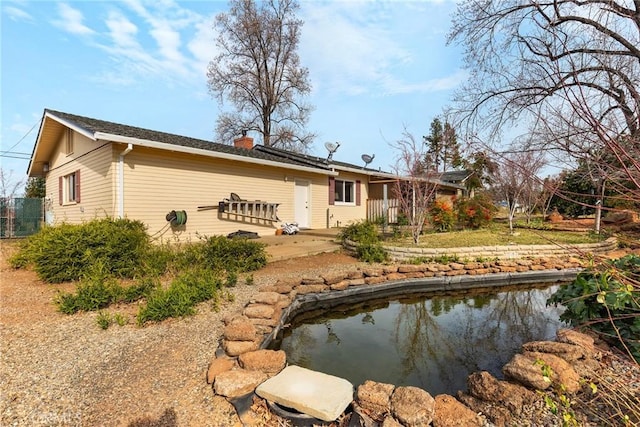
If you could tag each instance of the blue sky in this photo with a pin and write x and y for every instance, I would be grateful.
(375, 67)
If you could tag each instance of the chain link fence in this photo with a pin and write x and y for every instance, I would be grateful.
(20, 217)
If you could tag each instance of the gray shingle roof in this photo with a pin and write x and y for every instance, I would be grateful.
(455, 176)
(95, 125)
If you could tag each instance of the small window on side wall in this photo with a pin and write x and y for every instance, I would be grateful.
(344, 191)
(69, 188)
(68, 143)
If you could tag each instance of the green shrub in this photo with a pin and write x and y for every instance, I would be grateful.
(179, 299)
(360, 232)
(64, 252)
(221, 253)
(104, 319)
(365, 234)
(607, 302)
(97, 290)
(371, 252)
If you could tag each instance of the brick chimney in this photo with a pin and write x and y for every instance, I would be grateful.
(244, 141)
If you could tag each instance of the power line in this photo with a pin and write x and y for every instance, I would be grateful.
(21, 139)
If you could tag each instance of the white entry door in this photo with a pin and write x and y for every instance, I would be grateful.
(302, 209)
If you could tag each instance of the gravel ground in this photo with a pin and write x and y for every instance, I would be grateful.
(57, 369)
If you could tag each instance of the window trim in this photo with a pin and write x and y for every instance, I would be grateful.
(69, 188)
(337, 184)
(69, 143)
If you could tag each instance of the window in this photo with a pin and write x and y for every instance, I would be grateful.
(345, 192)
(68, 147)
(69, 188)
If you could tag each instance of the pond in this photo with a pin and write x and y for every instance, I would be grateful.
(432, 342)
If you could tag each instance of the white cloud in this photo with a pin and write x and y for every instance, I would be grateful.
(16, 14)
(71, 21)
(358, 48)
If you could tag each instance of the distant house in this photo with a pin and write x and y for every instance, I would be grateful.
(181, 187)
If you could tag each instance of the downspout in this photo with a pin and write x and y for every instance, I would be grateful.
(121, 180)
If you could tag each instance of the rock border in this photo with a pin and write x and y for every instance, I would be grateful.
(242, 361)
(497, 252)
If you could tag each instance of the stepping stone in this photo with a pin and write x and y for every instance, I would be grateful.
(313, 393)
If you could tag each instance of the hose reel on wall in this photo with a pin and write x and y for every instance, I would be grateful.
(177, 218)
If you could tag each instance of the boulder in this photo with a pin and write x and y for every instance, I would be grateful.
(450, 412)
(259, 311)
(240, 330)
(569, 352)
(268, 361)
(375, 398)
(527, 372)
(562, 372)
(237, 383)
(412, 406)
(574, 337)
(270, 298)
(389, 421)
(311, 289)
(498, 415)
(236, 348)
(486, 387)
(217, 366)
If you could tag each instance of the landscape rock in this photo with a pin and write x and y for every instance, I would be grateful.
(316, 280)
(562, 372)
(569, 352)
(311, 289)
(236, 348)
(574, 337)
(389, 421)
(450, 412)
(217, 366)
(332, 278)
(270, 298)
(526, 371)
(412, 406)
(340, 286)
(240, 330)
(486, 387)
(268, 361)
(498, 415)
(375, 398)
(259, 311)
(237, 383)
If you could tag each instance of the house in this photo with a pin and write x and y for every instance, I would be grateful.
(181, 187)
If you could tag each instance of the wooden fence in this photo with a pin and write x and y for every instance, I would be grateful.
(375, 210)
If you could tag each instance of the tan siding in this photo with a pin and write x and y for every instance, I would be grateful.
(156, 183)
(341, 215)
(94, 160)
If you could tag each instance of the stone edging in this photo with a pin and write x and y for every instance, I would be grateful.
(242, 363)
(495, 252)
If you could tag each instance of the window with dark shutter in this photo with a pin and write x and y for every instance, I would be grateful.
(358, 195)
(77, 186)
(332, 190)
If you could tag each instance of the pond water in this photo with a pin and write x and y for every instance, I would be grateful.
(432, 342)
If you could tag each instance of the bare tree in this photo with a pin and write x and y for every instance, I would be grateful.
(258, 72)
(415, 187)
(514, 182)
(8, 184)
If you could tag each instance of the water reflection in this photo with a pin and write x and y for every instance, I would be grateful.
(433, 342)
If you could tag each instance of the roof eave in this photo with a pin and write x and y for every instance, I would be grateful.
(206, 153)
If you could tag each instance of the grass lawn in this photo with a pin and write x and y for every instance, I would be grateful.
(496, 235)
